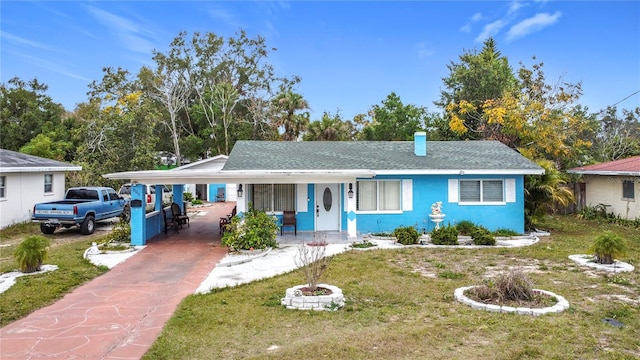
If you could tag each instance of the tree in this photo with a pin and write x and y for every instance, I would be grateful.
(25, 112)
(116, 128)
(618, 136)
(544, 192)
(287, 104)
(394, 120)
(330, 128)
(477, 78)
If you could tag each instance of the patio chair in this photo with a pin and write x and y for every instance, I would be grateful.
(178, 216)
(225, 221)
(220, 194)
(289, 219)
(169, 223)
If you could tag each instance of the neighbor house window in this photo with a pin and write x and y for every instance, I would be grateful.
(48, 183)
(3, 187)
(274, 197)
(628, 191)
(381, 195)
(481, 191)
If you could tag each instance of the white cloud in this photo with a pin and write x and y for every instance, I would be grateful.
(223, 15)
(515, 6)
(475, 18)
(422, 49)
(132, 36)
(532, 24)
(26, 42)
(490, 30)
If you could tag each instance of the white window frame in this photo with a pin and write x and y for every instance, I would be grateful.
(271, 194)
(482, 202)
(49, 184)
(3, 187)
(400, 196)
(633, 190)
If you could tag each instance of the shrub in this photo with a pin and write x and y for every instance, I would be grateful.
(482, 236)
(406, 235)
(313, 262)
(187, 196)
(514, 285)
(505, 232)
(31, 253)
(251, 230)
(121, 233)
(607, 246)
(465, 227)
(445, 235)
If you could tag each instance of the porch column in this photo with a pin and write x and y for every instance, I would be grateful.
(350, 196)
(158, 205)
(241, 202)
(138, 216)
(178, 197)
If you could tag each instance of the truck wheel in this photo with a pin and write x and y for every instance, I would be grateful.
(126, 214)
(46, 229)
(88, 225)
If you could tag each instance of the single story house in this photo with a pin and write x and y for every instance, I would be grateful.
(614, 184)
(364, 187)
(26, 180)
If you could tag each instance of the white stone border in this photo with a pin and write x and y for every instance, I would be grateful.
(295, 300)
(7, 280)
(589, 260)
(559, 307)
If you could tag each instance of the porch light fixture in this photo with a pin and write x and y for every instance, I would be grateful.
(240, 190)
(350, 192)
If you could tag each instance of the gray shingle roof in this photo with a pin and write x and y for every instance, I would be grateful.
(375, 155)
(13, 161)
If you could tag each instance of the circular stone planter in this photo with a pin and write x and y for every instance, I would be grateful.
(559, 307)
(590, 261)
(295, 300)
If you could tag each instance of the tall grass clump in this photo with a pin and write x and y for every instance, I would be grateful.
(31, 253)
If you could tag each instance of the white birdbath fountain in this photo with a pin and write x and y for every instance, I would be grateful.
(437, 219)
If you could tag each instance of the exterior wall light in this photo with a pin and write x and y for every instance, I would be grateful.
(240, 191)
(350, 192)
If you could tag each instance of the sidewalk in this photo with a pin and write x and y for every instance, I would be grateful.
(121, 313)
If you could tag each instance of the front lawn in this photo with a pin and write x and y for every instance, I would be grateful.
(400, 305)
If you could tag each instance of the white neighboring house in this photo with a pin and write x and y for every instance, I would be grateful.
(615, 184)
(26, 180)
(208, 191)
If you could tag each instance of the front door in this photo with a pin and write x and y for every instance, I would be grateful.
(327, 207)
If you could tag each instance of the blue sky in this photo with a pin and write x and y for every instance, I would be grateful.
(350, 55)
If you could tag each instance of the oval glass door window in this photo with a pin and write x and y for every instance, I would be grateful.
(327, 199)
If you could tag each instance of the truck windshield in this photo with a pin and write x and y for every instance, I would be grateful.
(82, 194)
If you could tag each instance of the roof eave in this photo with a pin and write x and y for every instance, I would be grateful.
(604, 173)
(39, 169)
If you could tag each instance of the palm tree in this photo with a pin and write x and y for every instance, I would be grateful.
(544, 192)
(288, 103)
(330, 128)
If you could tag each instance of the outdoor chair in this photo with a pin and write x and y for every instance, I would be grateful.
(169, 223)
(289, 219)
(225, 221)
(220, 194)
(178, 216)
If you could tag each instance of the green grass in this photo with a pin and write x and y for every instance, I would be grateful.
(400, 305)
(33, 292)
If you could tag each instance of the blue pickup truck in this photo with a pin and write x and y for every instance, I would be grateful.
(82, 206)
